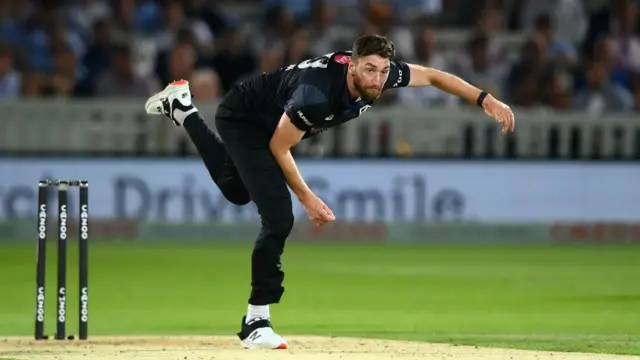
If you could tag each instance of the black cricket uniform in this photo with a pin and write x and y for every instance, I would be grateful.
(315, 96)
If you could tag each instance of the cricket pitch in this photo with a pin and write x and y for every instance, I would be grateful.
(228, 348)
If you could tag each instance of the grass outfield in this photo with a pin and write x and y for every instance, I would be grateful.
(564, 298)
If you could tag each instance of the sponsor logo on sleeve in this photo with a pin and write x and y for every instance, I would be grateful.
(304, 118)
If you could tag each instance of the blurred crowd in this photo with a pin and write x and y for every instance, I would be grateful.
(557, 54)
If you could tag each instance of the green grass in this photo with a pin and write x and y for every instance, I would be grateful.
(566, 298)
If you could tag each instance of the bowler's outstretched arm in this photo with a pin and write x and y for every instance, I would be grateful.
(452, 84)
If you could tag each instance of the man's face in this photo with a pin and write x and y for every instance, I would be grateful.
(369, 75)
(182, 59)
(122, 63)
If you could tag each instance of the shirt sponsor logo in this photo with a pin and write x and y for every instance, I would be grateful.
(363, 109)
(342, 59)
(304, 118)
(399, 81)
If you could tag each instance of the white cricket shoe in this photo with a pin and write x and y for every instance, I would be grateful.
(174, 102)
(259, 334)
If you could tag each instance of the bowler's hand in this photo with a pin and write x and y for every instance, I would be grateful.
(500, 112)
(318, 212)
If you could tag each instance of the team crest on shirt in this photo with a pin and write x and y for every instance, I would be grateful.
(342, 59)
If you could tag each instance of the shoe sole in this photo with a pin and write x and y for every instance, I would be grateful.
(247, 346)
(176, 86)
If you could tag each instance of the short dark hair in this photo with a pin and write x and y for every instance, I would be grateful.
(543, 21)
(373, 45)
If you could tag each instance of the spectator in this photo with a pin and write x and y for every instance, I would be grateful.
(205, 85)
(602, 21)
(568, 16)
(562, 53)
(477, 67)
(62, 81)
(425, 54)
(49, 31)
(83, 14)
(121, 81)
(233, 60)
(182, 62)
(269, 60)
(556, 91)
(326, 34)
(297, 47)
(525, 79)
(10, 79)
(600, 93)
(184, 37)
(489, 22)
(123, 21)
(604, 52)
(209, 12)
(279, 23)
(626, 39)
(175, 19)
(96, 59)
(523, 83)
(180, 36)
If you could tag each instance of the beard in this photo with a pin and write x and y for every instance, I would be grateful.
(366, 93)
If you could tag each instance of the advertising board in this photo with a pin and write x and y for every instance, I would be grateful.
(369, 190)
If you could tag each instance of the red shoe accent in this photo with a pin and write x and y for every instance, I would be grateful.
(282, 346)
(179, 82)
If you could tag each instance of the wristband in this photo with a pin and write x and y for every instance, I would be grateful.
(481, 97)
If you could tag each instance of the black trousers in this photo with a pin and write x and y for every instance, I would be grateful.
(242, 165)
